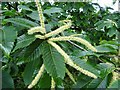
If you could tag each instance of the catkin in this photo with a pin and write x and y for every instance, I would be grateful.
(84, 71)
(59, 30)
(52, 83)
(70, 75)
(40, 36)
(69, 61)
(78, 39)
(40, 14)
(36, 79)
(36, 29)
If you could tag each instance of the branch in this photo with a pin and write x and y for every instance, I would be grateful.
(74, 44)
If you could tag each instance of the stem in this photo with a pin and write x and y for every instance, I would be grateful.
(76, 45)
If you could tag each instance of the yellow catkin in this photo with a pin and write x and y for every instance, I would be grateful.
(40, 36)
(69, 61)
(59, 30)
(115, 76)
(78, 39)
(36, 29)
(40, 14)
(85, 71)
(52, 84)
(70, 75)
(36, 79)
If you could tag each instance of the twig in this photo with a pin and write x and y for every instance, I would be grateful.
(76, 45)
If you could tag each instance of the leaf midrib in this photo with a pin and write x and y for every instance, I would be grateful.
(52, 57)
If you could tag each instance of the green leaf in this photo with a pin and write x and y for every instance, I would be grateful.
(82, 80)
(113, 42)
(47, 81)
(9, 34)
(110, 46)
(100, 25)
(112, 31)
(109, 24)
(1, 36)
(22, 22)
(10, 13)
(102, 82)
(58, 82)
(7, 81)
(7, 47)
(85, 53)
(48, 27)
(106, 48)
(98, 83)
(115, 85)
(30, 53)
(23, 41)
(105, 68)
(35, 54)
(34, 15)
(54, 62)
(24, 7)
(8, 37)
(29, 70)
(53, 10)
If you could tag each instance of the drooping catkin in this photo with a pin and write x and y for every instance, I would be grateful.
(36, 79)
(69, 61)
(52, 84)
(70, 75)
(85, 71)
(78, 39)
(59, 30)
(40, 14)
(36, 29)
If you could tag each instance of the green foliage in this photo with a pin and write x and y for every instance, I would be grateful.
(22, 22)
(52, 11)
(34, 15)
(47, 81)
(115, 84)
(8, 36)
(53, 61)
(23, 54)
(7, 80)
(23, 41)
(29, 71)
